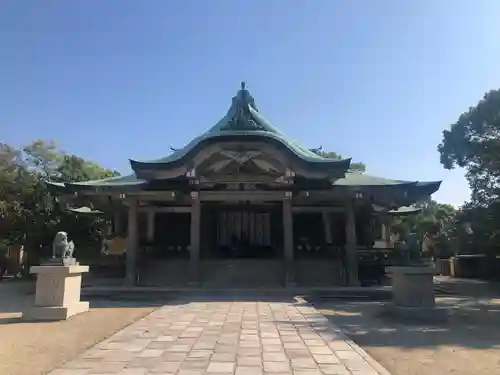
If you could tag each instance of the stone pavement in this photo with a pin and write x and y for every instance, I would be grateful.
(241, 338)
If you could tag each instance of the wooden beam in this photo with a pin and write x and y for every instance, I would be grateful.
(160, 195)
(322, 209)
(241, 195)
(173, 209)
(141, 194)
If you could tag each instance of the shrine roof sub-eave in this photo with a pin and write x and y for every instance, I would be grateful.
(404, 192)
(360, 179)
(356, 180)
(113, 183)
(427, 187)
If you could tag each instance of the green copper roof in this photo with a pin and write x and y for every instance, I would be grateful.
(403, 192)
(354, 178)
(112, 181)
(412, 190)
(119, 181)
(360, 179)
(243, 121)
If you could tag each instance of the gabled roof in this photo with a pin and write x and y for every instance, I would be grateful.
(243, 122)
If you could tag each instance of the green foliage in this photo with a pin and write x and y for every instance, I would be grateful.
(473, 142)
(436, 222)
(333, 155)
(28, 213)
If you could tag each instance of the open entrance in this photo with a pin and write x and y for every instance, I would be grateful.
(241, 245)
(241, 231)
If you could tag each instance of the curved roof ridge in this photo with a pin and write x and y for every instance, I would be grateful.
(275, 130)
(244, 119)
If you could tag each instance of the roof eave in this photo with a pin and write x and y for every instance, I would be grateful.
(424, 188)
(61, 187)
(320, 163)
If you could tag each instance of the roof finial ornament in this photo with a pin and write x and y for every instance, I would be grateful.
(240, 115)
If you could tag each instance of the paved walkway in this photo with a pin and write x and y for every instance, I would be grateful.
(241, 338)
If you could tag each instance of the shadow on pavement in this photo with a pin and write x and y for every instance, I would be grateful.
(471, 324)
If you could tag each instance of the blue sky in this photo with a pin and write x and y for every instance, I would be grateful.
(375, 80)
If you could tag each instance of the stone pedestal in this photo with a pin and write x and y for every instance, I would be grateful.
(413, 292)
(57, 292)
(412, 286)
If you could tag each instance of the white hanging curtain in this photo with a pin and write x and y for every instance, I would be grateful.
(244, 225)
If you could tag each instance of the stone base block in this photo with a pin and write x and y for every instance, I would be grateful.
(55, 312)
(412, 286)
(58, 290)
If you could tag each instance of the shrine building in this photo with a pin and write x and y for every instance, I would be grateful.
(242, 205)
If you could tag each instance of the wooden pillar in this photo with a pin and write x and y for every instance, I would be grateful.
(386, 232)
(194, 247)
(151, 226)
(351, 244)
(132, 243)
(288, 240)
(117, 224)
(325, 215)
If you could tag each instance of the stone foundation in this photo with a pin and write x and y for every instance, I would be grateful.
(57, 293)
(413, 293)
(412, 286)
(241, 273)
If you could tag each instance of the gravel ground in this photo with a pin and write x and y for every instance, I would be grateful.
(35, 348)
(468, 343)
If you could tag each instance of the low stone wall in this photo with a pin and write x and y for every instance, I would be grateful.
(241, 273)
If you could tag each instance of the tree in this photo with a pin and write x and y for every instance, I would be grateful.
(473, 142)
(333, 155)
(72, 168)
(28, 212)
(436, 222)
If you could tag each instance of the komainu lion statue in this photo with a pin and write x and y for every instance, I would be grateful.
(61, 248)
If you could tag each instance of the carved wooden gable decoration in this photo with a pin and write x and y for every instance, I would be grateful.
(241, 164)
